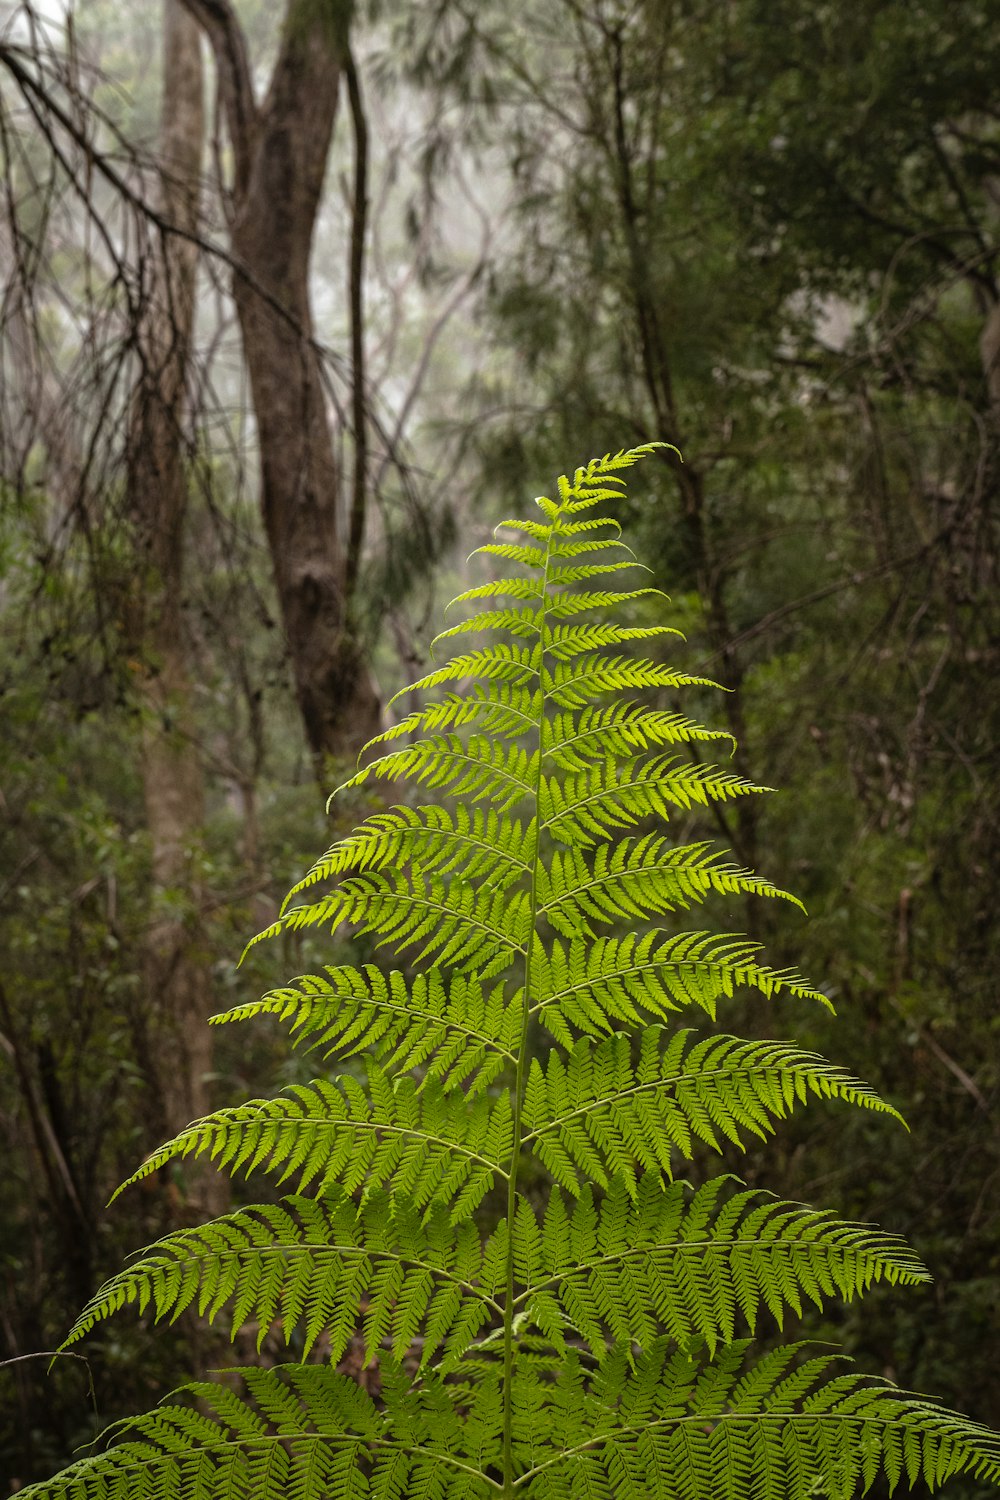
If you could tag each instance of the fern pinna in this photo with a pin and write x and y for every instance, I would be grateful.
(592, 1341)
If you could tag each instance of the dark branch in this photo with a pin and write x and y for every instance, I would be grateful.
(359, 224)
(220, 25)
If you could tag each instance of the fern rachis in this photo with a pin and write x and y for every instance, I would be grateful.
(591, 1345)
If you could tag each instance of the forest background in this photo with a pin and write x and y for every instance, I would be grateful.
(299, 300)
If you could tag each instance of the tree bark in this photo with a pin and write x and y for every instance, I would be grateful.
(176, 962)
(280, 151)
(658, 380)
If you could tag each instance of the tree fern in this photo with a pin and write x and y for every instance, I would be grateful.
(585, 1341)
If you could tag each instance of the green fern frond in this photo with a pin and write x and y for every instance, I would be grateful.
(568, 641)
(439, 840)
(528, 557)
(539, 530)
(477, 767)
(523, 623)
(557, 604)
(625, 728)
(550, 1354)
(512, 588)
(638, 878)
(595, 1114)
(535, 557)
(576, 686)
(676, 1428)
(514, 665)
(312, 1267)
(562, 606)
(682, 1263)
(564, 573)
(505, 711)
(559, 527)
(620, 729)
(299, 1431)
(581, 809)
(598, 469)
(589, 545)
(466, 924)
(457, 1032)
(427, 1144)
(609, 983)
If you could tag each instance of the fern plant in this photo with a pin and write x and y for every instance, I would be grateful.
(592, 1340)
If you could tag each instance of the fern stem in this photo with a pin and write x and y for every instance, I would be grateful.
(522, 1049)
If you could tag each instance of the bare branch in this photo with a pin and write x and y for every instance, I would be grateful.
(220, 25)
(359, 224)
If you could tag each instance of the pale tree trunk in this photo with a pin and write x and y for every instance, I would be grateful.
(280, 150)
(176, 967)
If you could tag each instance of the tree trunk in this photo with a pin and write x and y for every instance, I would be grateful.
(658, 380)
(280, 151)
(177, 975)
